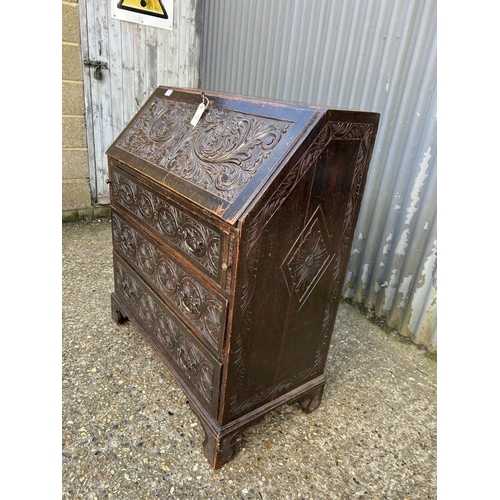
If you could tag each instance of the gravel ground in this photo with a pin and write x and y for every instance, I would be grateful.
(128, 431)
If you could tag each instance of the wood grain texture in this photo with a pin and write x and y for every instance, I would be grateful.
(281, 249)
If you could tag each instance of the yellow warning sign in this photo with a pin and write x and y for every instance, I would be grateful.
(149, 7)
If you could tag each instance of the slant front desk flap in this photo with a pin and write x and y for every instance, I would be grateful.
(223, 161)
(232, 222)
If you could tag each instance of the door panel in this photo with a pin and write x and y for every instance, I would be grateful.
(138, 59)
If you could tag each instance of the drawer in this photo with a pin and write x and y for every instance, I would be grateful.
(190, 361)
(202, 243)
(203, 309)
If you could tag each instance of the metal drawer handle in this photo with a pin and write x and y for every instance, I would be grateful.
(185, 360)
(196, 246)
(190, 303)
(124, 242)
(126, 245)
(127, 294)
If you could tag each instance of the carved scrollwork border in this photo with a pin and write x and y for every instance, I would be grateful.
(197, 369)
(195, 240)
(177, 287)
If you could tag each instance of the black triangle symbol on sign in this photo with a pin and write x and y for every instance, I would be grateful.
(149, 7)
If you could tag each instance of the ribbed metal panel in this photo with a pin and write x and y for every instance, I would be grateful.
(377, 55)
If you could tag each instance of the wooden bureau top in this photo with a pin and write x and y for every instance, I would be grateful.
(223, 161)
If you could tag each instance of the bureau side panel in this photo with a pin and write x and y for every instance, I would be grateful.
(295, 245)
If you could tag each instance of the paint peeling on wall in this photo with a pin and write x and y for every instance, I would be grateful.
(418, 186)
(365, 277)
(427, 283)
(387, 246)
(404, 290)
(390, 291)
(152, 39)
(403, 242)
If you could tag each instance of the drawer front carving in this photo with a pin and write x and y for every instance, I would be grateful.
(205, 311)
(190, 360)
(194, 239)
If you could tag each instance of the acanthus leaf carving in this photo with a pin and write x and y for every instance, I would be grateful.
(220, 155)
(226, 150)
(158, 130)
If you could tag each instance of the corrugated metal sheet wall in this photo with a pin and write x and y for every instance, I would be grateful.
(377, 55)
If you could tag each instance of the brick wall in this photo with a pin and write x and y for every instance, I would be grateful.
(76, 201)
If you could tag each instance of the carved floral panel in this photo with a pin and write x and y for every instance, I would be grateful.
(201, 308)
(308, 258)
(220, 155)
(183, 352)
(225, 150)
(194, 239)
(158, 130)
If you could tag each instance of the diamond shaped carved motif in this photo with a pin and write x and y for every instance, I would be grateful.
(308, 258)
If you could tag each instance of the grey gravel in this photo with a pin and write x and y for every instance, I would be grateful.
(128, 432)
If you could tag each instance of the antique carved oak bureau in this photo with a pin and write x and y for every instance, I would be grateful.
(231, 238)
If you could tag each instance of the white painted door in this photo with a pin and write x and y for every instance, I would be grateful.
(135, 59)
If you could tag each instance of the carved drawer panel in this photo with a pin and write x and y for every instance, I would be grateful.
(190, 360)
(200, 242)
(204, 310)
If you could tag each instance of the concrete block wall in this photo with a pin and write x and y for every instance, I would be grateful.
(76, 200)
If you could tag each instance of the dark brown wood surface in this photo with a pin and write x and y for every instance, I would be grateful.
(231, 245)
(222, 162)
